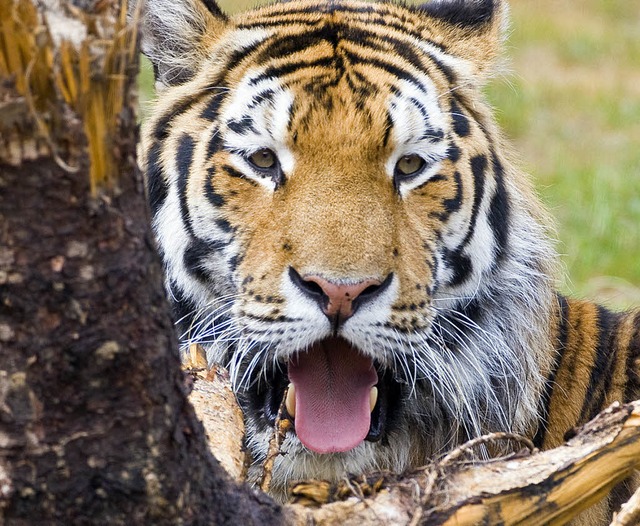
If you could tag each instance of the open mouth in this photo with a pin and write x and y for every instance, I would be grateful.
(336, 397)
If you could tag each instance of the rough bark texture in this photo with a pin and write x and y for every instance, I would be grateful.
(95, 427)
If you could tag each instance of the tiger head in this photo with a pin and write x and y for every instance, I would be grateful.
(337, 216)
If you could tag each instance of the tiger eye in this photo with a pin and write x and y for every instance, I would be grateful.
(264, 159)
(410, 164)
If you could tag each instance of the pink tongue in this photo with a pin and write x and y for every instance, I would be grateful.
(333, 384)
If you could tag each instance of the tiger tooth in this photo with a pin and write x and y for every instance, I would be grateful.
(373, 397)
(290, 402)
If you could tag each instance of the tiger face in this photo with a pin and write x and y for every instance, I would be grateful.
(339, 220)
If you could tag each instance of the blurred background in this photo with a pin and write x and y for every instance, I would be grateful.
(570, 102)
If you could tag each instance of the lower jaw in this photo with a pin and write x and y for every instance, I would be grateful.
(268, 403)
(297, 463)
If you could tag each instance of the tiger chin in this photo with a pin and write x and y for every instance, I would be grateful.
(340, 219)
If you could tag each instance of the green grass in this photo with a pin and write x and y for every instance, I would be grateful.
(571, 106)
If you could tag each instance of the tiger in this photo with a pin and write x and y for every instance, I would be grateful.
(340, 219)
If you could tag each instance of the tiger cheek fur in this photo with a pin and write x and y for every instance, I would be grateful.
(337, 212)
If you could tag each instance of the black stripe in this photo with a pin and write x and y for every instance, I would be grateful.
(499, 212)
(215, 144)
(460, 122)
(285, 69)
(392, 69)
(453, 153)
(332, 33)
(455, 203)
(213, 8)
(232, 172)
(430, 133)
(384, 18)
(473, 311)
(234, 262)
(157, 187)
(278, 21)
(462, 13)
(212, 109)
(361, 89)
(469, 312)
(184, 158)
(196, 254)
(318, 87)
(438, 178)
(237, 57)
(214, 197)
(293, 16)
(387, 130)
(161, 130)
(461, 265)
(243, 125)
(563, 331)
(361, 92)
(262, 96)
(478, 168)
(451, 205)
(632, 391)
(603, 365)
(421, 108)
(224, 225)
(405, 50)
(408, 52)
(183, 309)
(284, 46)
(446, 70)
(561, 345)
(218, 86)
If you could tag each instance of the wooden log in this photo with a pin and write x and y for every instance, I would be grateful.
(550, 487)
(215, 404)
(529, 488)
(629, 514)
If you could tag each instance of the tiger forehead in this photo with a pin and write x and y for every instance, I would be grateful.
(340, 123)
(313, 12)
(343, 69)
(345, 39)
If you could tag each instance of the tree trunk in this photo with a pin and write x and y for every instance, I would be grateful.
(95, 427)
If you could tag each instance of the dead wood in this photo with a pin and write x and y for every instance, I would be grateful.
(629, 514)
(529, 488)
(215, 404)
(550, 487)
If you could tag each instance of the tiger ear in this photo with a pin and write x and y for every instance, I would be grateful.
(174, 34)
(473, 30)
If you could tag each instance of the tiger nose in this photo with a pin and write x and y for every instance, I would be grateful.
(338, 301)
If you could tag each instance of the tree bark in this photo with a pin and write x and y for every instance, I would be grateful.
(95, 427)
